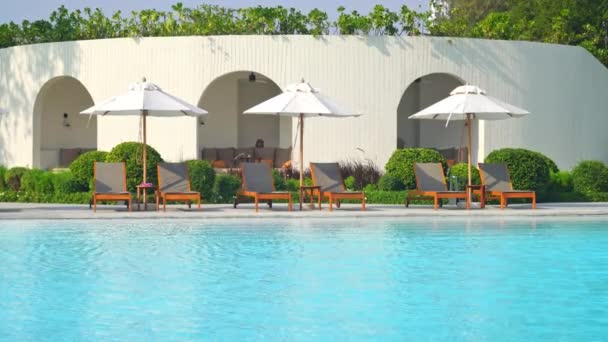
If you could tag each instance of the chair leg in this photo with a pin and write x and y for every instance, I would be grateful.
(436, 202)
(331, 203)
(407, 201)
(289, 204)
(130, 205)
(503, 202)
(256, 204)
(94, 204)
(198, 202)
(534, 201)
(363, 204)
(157, 198)
(236, 202)
(165, 203)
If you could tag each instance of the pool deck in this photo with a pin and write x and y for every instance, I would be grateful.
(30, 211)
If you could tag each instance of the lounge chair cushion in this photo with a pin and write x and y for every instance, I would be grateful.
(173, 178)
(257, 178)
(282, 156)
(430, 177)
(265, 153)
(226, 155)
(495, 177)
(328, 177)
(110, 178)
(209, 154)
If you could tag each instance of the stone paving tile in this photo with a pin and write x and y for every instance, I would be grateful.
(31, 211)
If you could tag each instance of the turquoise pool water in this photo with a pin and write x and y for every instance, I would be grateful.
(304, 280)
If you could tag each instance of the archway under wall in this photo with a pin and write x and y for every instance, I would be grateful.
(60, 132)
(226, 98)
(423, 92)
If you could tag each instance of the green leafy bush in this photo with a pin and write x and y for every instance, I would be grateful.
(279, 181)
(401, 163)
(225, 187)
(370, 188)
(37, 181)
(66, 183)
(389, 182)
(82, 167)
(461, 171)
(529, 170)
(202, 178)
(349, 183)
(3, 171)
(292, 185)
(590, 176)
(13, 178)
(131, 154)
(560, 181)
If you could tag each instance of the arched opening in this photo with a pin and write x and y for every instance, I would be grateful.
(60, 132)
(226, 98)
(423, 92)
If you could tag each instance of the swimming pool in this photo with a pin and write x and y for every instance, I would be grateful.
(304, 280)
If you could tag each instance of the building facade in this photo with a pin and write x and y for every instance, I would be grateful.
(45, 86)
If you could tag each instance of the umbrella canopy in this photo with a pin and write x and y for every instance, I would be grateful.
(145, 96)
(471, 100)
(467, 103)
(302, 100)
(145, 99)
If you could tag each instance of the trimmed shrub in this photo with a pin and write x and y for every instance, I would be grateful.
(401, 163)
(13, 178)
(202, 178)
(590, 176)
(82, 167)
(225, 187)
(131, 154)
(389, 182)
(66, 183)
(279, 181)
(560, 182)
(3, 170)
(461, 171)
(37, 181)
(529, 170)
(349, 183)
(292, 185)
(363, 173)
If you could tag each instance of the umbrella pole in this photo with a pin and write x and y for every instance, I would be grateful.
(469, 152)
(145, 113)
(301, 150)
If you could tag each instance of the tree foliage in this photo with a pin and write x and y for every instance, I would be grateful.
(574, 22)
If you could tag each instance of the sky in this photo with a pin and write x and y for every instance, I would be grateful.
(19, 10)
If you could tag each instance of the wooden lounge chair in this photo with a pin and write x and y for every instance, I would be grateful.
(430, 183)
(257, 182)
(498, 184)
(110, 183)
(328, 178)
(174, 185)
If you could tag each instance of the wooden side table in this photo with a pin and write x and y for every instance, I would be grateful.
(310, 190)
(482, 195)
(143, 190)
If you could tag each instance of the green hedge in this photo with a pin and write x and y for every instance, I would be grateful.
(590, 176)
(401, 164)
(529, 170)
(202, 178)
(82, 168)
(225, 188)
(461, 171)
(131, 154)
(13, 178)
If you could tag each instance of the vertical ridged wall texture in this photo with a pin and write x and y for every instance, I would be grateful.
(564, 88)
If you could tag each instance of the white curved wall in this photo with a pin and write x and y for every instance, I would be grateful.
(564, 87)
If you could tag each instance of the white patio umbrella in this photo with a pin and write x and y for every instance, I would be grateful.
(467, 103)
(301, 100)
(145, 99)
